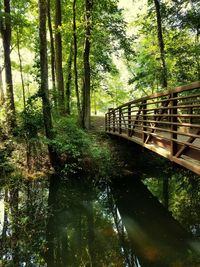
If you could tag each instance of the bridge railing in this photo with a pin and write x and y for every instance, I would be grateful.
(167, 122)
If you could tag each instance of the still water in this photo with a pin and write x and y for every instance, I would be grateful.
(60, 223)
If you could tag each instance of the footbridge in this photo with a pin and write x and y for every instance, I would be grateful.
(167, 123)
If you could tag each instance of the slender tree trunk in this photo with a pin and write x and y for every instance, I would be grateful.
(52, 52)
(197, 52)
(95, 102)
(21, 69)
(58, 56)
(86, 87)
(75, 61)
(28, 146)
(5, 26)
(2, 97)
(44, 81)
(69, 80)
(161, 44)
(164, 81)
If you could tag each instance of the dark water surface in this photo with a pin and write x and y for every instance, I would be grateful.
(74, 223)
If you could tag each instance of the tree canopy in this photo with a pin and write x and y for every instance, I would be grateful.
(63, 64)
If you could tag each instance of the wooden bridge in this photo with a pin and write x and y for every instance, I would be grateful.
(167, 123)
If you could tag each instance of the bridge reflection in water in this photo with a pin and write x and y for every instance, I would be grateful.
(167, 123)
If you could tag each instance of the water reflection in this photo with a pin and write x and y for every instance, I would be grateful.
(72, 222)
(83, 222)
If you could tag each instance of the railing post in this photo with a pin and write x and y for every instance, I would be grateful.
(113, 122)
(174, 120)
(144, 113)
(120, 120)
(129, 120)
(106, 122)
(109, 118)
(191, 112)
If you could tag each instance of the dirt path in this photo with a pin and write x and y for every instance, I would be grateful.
(98, 123)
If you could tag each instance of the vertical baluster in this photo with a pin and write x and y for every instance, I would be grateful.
(120, 120)
(109, 119)
(191, 112)
(144, 118)
(106, 122)
(174, 120)
(129, 119)
(114, 118)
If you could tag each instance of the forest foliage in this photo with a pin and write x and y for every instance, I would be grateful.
(61, 62)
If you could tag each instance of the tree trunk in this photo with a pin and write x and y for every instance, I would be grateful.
(86, 86)
(44, 81)
(161, 44)
(197, 53)
(196, 43)
(5, 26)
(75, 61)
(52, 52)
(58, 57)
(69, 80)
(21, 69)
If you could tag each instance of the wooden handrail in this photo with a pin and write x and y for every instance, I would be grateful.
(167, 123)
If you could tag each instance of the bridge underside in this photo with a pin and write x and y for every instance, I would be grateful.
(190, 159)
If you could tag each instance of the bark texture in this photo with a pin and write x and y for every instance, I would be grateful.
(69, 81)
(5, 26)
(75, 60)
(86, 86)
(52, 52)
(44, 81)
(58, 56)
(161, 44)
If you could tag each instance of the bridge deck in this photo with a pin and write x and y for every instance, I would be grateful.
(167, 123)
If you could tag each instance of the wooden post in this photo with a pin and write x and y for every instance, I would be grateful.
(190, 112)
(144, 106)
(129, 120)
(109, 119)
(120, 120)
(114, 118)
(106, 122)
(174, 120)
